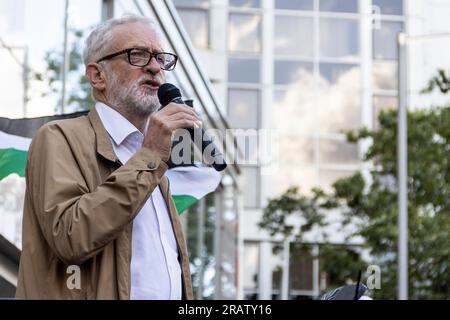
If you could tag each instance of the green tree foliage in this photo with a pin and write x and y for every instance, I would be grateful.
(370, 207)
(78, 87)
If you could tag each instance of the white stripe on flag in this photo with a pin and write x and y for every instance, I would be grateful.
(193, 181)
(12, 141)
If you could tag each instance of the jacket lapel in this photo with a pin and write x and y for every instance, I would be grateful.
(103, 142)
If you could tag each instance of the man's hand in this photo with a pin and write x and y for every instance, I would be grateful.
(162, 125)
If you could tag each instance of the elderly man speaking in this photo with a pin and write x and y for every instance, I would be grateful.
(99, 221)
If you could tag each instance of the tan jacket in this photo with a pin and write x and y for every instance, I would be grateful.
(80, 203)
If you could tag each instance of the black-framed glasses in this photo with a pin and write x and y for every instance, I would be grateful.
(140, 57)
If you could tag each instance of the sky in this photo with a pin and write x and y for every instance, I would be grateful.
(39, 25)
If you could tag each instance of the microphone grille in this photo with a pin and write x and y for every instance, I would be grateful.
(167, 92)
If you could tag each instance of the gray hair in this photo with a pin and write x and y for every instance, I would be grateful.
(100, 38)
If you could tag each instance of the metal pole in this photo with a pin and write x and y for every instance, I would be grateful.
(200, 246)
(285, 274)
(402, 171)
(316, 278)
(25, 82)
(65, 63)
(220, 208)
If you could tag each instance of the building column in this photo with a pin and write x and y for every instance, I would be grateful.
(107, 9)
(285, 274)
(265, 271)
(365, 37)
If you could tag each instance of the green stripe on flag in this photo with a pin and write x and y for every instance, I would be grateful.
(12, 161)
(182, 202)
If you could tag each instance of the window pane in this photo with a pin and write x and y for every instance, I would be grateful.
(300, 270)
(293, 35)
(339, 111)
(385, 75)
(339, 38)
(196, 24)
(288, 72)
(344, 75)
(294, 150)
(385, 40)
(305, 177)
(190, 3)
(339, 5)
(243, 70)
(245, 3)
(389, 6)
(243, 108)
(251, 186)
(293, 106)
(294, 5)
(337, 152)
(244, 33)
(251, 267)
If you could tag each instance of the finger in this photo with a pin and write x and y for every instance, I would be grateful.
(182, 124)
(175, 108)
(180, 116)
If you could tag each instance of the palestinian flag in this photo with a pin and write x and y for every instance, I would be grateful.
(15, 139)
(188, 184)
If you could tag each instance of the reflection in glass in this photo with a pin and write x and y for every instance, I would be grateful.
(196, 23)
(245, 3)
(385, 40)
(333, 151)
(342, 74)
(339, 110)
(243, 108)
(394, 7)
(251, 269)
(288, 175)
(295, 150)
(244, 32)
(339, 5)
(294, 5)
(295, 107)
(293, 35)
(251, 186)
(243, 70)
(385, 75)
(339, 38)
(339, 104)
(288, 72)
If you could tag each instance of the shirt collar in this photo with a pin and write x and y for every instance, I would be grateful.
(117, 126)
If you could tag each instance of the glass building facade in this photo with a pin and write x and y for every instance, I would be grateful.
(308, 70)
(305, 70)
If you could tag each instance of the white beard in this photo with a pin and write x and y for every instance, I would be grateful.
(133, 99)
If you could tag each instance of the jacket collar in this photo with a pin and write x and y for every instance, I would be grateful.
(104, 146)
(117, 126)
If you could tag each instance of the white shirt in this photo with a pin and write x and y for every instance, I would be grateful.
(155, 270)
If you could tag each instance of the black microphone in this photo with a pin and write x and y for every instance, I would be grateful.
(168, 93)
